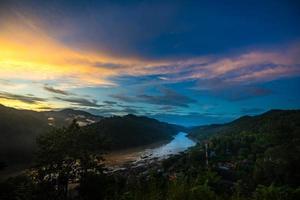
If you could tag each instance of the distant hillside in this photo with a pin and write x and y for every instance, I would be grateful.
(266, 122)
(66, 116)
(131, 131)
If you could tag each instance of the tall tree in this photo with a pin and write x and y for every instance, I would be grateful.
(66, 155)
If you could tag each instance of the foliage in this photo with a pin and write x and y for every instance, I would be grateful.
(66, 154)
(253, 158)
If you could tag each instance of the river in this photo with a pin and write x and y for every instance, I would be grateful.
(179, 143)
(133, 156)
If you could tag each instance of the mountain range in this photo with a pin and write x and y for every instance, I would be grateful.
(20, 128)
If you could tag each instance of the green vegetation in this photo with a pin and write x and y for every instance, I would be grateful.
(252, 158)
(20, 128)
(132, 131)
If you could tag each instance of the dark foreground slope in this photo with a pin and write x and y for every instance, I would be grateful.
(20, 128)
(18, 131)
(132, 131)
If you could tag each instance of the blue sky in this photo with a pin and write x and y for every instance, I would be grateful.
(185, 62)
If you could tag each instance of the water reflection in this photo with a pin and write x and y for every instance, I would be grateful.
(178, 144)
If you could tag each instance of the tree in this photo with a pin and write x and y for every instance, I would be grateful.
(275, 193)
(67, 154)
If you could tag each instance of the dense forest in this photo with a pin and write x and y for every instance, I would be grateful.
(249, 158)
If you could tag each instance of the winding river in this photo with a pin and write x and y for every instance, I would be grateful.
(179, 143)
(135, 156)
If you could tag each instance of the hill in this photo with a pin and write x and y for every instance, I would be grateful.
(20, 128)
(267, 122)
(256, 150)
(131, 131)
(66, 116)
(250, 158)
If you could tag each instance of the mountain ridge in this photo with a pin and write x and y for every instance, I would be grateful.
(257, 123)
(20, 128)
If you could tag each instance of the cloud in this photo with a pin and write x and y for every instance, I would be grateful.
(246, 111)
(109, 65)
(46, 108)
(125, 98)
(29, 99)
(239, 93)
(110, 102)
(80, 101)
(114, 111)
(241, 68)
(167, 97)
(269, 74)
(10, 85)
(193, 118)
(56, 91)
(115, 28)
(103, 111)
(46, 58)
(167, 108)
(259, 91)
(49, 59)
(162, 28)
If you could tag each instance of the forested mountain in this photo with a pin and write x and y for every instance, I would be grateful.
(251, 158)
(20, 128)
(132, 131)
(271, 121)
(66, 116)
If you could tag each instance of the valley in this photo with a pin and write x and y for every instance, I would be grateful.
(134, 157)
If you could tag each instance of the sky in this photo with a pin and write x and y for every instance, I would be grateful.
(184, 62)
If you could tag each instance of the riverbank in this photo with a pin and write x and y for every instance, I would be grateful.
(133, 159)
(149, 153)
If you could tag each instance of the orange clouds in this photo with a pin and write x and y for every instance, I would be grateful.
(28, 53)
(32, 55)
(243, 68)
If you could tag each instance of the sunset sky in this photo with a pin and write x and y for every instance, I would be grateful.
(187, 62)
